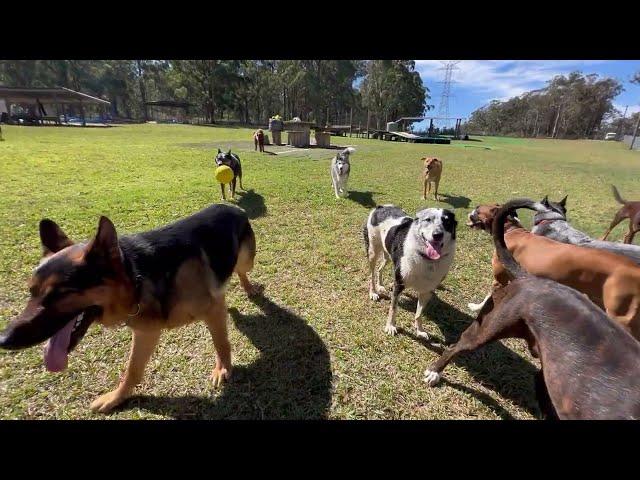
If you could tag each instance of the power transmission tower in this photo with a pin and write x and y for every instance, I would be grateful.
(621, 122)
(448, 68)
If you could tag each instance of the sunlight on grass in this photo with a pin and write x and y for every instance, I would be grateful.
(317, 348)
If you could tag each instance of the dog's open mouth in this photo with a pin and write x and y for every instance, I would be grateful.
(432, 249)
(57, 349)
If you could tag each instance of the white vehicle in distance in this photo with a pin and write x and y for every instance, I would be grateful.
(610, 136)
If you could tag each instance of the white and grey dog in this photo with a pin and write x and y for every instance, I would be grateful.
(421, 248)
(340, 168)
(552, 223)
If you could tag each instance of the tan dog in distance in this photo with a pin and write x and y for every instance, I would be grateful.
(431, 174)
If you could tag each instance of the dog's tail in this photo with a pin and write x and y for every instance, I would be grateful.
(505, 256)
(617, 196)
(349, 150)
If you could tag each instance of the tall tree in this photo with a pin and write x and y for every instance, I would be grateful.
(393, 88)
(572, 106)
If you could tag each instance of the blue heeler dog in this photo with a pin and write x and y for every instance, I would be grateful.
(553, 224)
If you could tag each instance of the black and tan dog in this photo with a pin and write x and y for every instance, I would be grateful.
(590, 364)
(150, 281)
(232, 161)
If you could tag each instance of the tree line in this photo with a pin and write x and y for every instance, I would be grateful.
(247, 91)
(570, 106)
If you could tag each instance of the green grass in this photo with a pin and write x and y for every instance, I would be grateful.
(315, 347)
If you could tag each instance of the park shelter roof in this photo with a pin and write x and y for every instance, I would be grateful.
(46, 95)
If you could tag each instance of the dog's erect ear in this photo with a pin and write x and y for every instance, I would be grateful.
(229, 152)
(104, 249)
(563, 202)
(545, 201)
(52, 237)
(454, 223)
(219, 151)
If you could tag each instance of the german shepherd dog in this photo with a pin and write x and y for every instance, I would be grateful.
(150, 281)
(232, 161)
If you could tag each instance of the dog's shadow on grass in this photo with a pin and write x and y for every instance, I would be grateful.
(252, 203)
(363, 198)
(493, 365)
(455, 201)
(291, 379)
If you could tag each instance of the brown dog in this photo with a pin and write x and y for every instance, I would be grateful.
(150, 281)
(431, 174)
(590, 365)
(630, 210)
(258, 140)
(611, 281)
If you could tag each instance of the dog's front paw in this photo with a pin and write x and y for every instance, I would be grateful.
(390, 329)
(475, 307)
(107, 402)
(431, 378)
(422, 334)
(374, 296)
(253, 289)
(220, 375)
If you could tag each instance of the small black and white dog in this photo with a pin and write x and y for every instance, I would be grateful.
(422, 251)
(340, 168)
(232, 161)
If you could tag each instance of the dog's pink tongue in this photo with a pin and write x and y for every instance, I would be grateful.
(433, 252)
(55, 351)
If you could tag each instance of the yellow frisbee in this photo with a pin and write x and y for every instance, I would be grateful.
(224, 174)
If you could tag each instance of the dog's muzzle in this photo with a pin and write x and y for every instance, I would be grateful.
(473, 218)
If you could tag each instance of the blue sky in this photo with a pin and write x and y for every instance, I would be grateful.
(477, 82)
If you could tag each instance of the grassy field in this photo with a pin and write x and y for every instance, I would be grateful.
(314, 347)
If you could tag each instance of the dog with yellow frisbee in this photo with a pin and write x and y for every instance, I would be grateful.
(232, 162)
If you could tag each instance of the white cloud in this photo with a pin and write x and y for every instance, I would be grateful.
(500, 79)
(630, 111)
